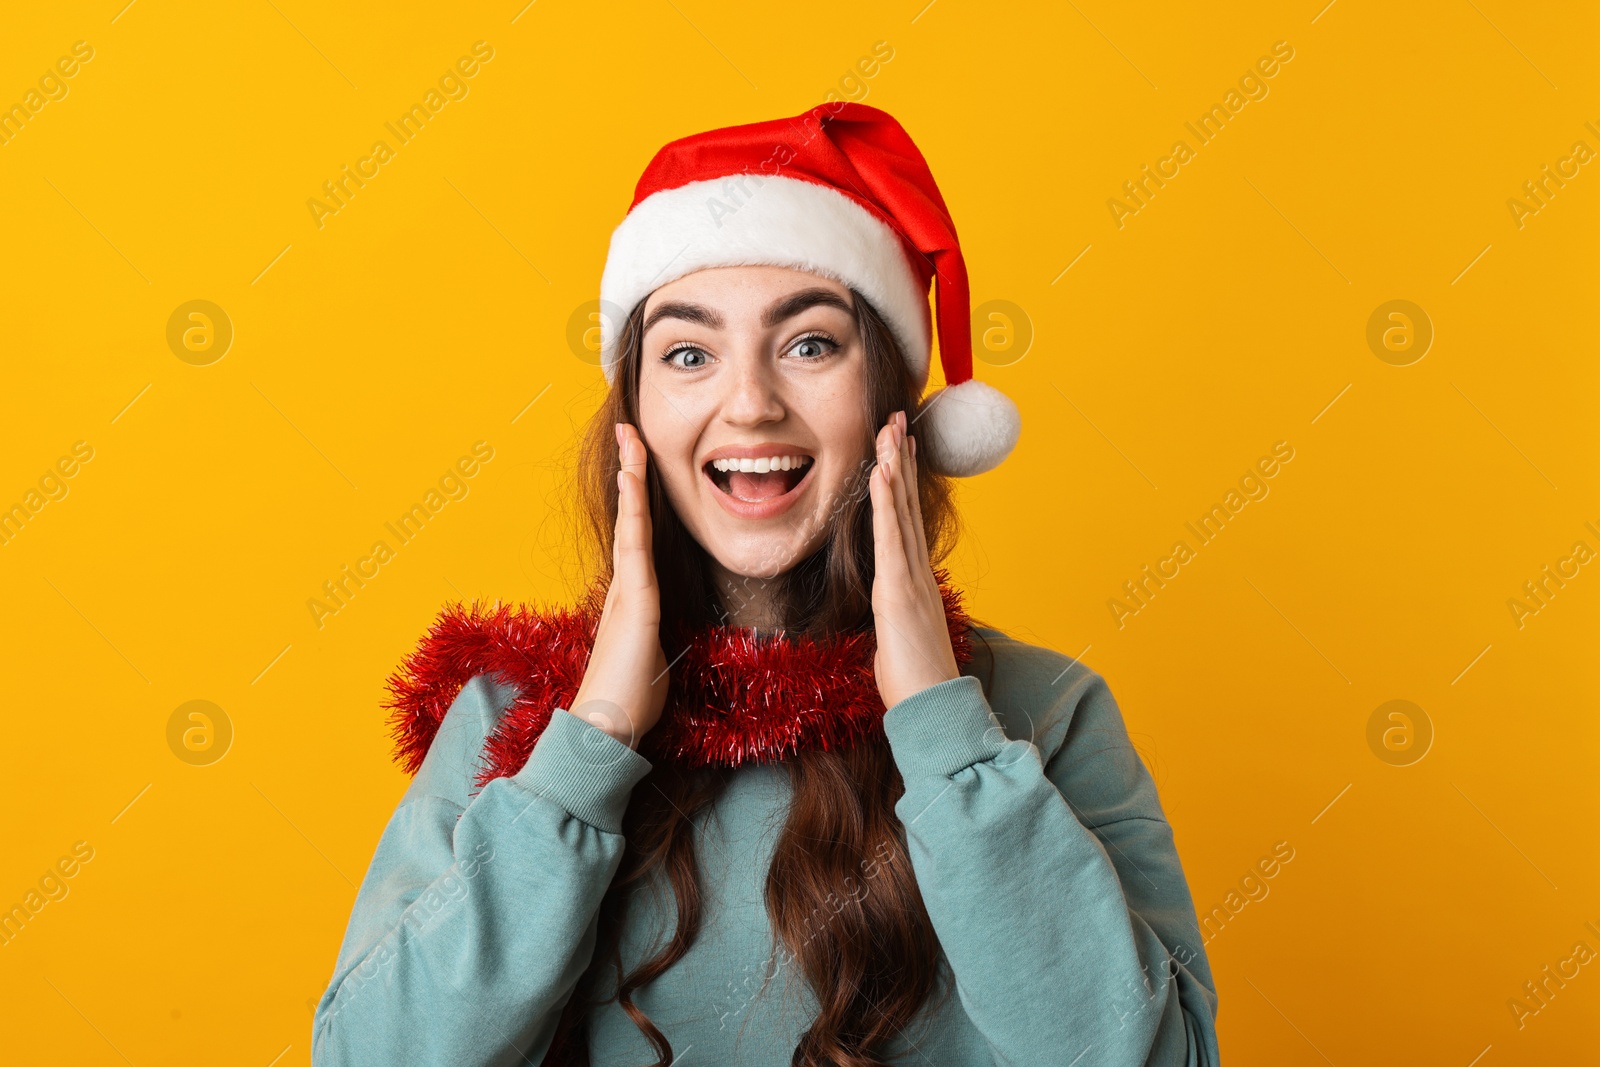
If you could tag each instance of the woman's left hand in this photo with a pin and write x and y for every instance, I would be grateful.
(914, 650)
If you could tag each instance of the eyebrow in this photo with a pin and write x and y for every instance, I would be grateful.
(785, 308)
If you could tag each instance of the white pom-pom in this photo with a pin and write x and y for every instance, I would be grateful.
(967, 428)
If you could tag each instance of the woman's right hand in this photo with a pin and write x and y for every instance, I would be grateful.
(624, 686)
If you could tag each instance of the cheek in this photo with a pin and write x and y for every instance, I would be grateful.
(839, 393)
(671, 409)
(672, 442)
(834, 404)
(846, 441)
(844, 431)
(671, 452)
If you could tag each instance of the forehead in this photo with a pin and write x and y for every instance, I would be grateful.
(734, 287)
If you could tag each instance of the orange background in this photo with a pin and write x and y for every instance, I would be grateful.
(1167, 355)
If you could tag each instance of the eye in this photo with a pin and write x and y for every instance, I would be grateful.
(673, 352)
(814, 347)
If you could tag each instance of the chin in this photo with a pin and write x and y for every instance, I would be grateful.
(760, 557)
(760, 547)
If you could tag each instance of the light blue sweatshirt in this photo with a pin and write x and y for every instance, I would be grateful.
(1038, 842)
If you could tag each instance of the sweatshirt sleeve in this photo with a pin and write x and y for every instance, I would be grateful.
(1049, 871)
(478, 914)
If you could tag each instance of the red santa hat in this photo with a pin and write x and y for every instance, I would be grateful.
(840, 191)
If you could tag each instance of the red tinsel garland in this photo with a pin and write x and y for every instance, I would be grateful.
(732, 699)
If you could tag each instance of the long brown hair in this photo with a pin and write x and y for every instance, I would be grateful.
(866, 948)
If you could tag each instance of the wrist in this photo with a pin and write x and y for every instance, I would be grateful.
(627, 737)
(608, 717)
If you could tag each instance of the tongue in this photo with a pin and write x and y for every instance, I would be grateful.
(752, 487)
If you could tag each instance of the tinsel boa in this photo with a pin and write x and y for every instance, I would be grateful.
(732, 698)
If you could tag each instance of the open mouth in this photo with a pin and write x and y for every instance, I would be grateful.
(758, 481)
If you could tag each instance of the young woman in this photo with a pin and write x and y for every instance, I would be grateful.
(768, 796)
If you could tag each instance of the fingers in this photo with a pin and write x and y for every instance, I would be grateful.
(632, 451)
(889, 553)
(902, 491)
(633, 557)
(911, 508)
(913, 485)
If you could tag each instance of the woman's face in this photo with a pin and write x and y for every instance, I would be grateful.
(754, 367)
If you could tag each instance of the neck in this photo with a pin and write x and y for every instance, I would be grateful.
(746, 602)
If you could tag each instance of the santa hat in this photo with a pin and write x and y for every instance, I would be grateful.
(840, 191)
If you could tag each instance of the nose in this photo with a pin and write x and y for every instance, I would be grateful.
(753, 391)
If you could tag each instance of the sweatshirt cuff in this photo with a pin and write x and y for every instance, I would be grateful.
(583, 769)
(943, 729)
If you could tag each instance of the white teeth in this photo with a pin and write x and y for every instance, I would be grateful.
(763, 465)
